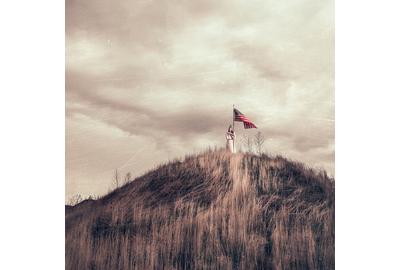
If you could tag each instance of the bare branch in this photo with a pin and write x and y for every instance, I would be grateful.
(128, 178)
(247, 143)
(116, 179)
(259, 141)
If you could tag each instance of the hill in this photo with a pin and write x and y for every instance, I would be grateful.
(209, 211)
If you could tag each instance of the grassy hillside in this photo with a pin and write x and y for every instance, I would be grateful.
(210, 211)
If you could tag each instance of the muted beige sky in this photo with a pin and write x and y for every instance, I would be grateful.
(149, 81)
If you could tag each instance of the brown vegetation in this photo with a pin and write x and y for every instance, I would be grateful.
(211, 211)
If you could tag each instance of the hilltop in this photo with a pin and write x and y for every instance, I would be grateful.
(214, 210)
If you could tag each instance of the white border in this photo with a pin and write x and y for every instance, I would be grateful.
(32, 134)
(367, 135)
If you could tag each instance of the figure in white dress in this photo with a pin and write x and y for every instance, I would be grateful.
(230, 140)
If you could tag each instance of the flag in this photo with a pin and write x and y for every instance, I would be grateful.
(239, 117)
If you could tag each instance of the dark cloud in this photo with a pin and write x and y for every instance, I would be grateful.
(159, 78)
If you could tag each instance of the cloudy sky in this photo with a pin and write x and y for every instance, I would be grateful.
(148, 81)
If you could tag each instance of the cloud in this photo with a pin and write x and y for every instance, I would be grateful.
(164, 75)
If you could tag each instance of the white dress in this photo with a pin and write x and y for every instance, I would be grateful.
(230, 137)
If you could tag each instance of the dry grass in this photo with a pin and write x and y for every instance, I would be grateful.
(211, 211)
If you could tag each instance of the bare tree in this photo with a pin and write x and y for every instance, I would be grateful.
(259, 141)
(75, 199)
(247, 142)
(116, 179)
(128, 178)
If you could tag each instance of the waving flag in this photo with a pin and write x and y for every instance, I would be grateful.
(240, 117)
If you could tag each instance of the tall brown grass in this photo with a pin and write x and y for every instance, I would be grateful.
(211, 211)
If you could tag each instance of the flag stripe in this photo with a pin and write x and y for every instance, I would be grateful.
(239, 117)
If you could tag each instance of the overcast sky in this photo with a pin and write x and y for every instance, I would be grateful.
(148, 81)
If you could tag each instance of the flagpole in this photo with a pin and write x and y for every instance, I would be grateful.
(233, 126)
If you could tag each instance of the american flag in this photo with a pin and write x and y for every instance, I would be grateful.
(239, 117)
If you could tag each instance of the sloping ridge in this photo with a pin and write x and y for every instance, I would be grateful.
(209, 211)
